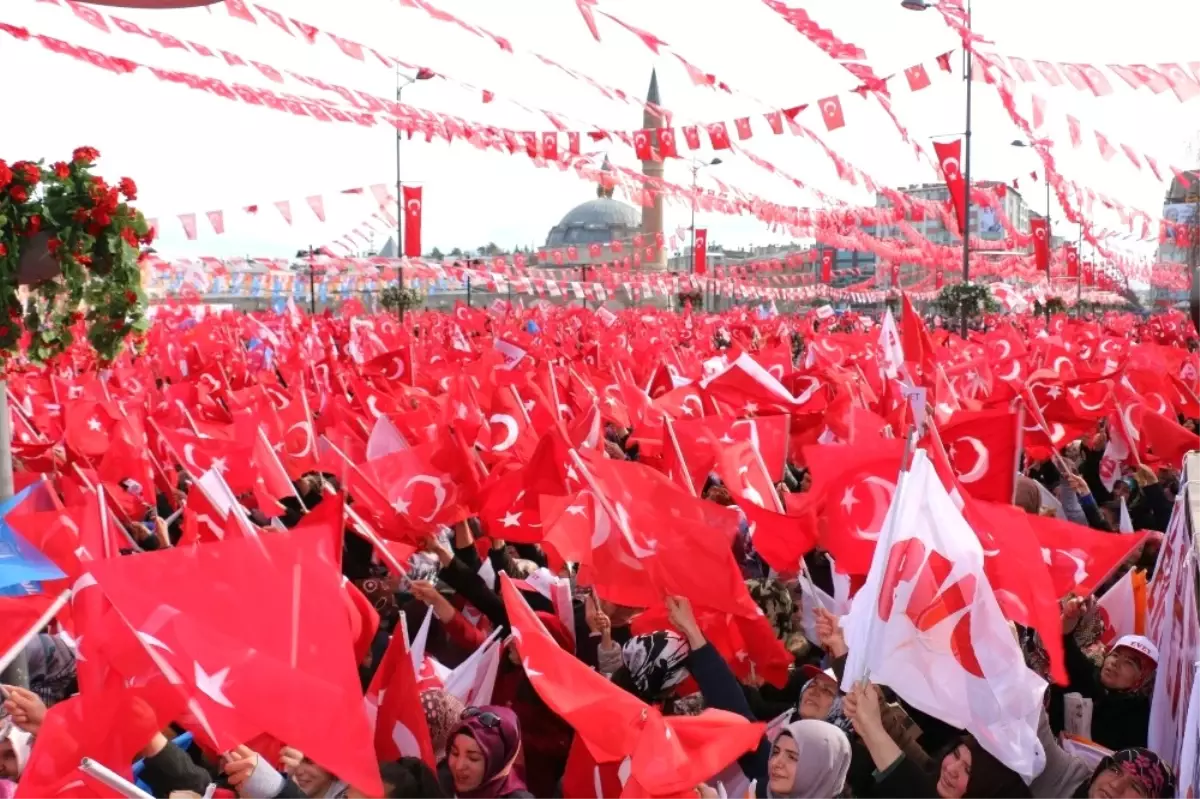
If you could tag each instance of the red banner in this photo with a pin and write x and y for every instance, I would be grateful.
(1072, 261)
(827, 266)
(1041, 243)
(412, 221)
(700, 254)
(1089, 274)
(949, 157)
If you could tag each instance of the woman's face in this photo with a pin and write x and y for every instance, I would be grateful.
(817, 699)
(311, 778)
(1114, 783)
(955, 774)
(781, 769)
(1122, 670)
(466, 763)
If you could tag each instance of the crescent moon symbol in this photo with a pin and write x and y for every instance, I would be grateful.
(1065, 359)
(307, 440)
(877, 520)
(371, 406)
(398, 363)
(510, 426)
(694, 399)
(189, 455)
(1133, 433)
(1016, 372)
(439, 492)
(1007, 349)
(982, 461)
(413, 206)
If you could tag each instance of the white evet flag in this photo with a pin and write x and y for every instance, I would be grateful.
(927, 625)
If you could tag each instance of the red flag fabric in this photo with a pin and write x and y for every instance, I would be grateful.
(827, 257)
(917, 77)
(982, 448)
(700, 255)
(413, 209)
(400, 726)
(1039, 227)
(1072, 261)
(950, 158)
(831, 112)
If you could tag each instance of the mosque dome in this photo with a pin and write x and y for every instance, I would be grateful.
(597, 221)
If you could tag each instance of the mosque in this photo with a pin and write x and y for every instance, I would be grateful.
(604, 220)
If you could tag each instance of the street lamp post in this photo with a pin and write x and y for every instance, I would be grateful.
(697, 165)
(1049, 229)
(401, 82)
(922, 5)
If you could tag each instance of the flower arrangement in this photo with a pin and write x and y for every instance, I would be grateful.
(971, 299)
(76, 242)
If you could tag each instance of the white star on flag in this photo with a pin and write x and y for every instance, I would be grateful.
(94, 425)
(576, 510)
(512, 519)
(213, 685)
(849, 500)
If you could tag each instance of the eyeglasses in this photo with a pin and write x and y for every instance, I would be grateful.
(486, 717)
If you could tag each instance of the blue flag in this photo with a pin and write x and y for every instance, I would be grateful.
(22, 566)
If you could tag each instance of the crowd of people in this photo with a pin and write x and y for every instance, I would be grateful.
(802, 730)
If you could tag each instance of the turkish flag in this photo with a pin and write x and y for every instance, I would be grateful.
(831, 111)
(853, 488)
(400, 726)
(666, 143)
(700, 253)
(691, 135)
(550, 146)
(827, 266)
(1072, 261)
(1041, 243)
(412, 220)
(719, 136)
(982, 448)
(950, 159)
(641, 145)
(743, 127)
(917, 77)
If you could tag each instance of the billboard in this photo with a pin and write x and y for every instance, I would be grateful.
(1180, 213)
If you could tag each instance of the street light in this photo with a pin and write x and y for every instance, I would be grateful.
(422, 74)
(922, 5)
(1049, 233)
(697, 165)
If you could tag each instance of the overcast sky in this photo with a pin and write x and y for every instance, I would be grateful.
(194, 153)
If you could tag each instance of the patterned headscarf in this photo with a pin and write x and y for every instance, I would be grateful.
(1156, 778)
(442, 714)
(775, 601)
(655, 662)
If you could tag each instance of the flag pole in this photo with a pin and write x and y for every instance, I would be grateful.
(889, 530)
(111, 779)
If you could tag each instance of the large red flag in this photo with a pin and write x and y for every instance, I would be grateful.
(412, 220)
(1041, 243)
(827, 266)
(700, 255)
(1072, 261)
(950, 158)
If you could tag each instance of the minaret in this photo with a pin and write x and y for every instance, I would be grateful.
(652, 216)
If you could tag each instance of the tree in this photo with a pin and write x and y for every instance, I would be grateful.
(974, 298)
(436, 254)
(456, 253)
(399, 300)
(490, 249)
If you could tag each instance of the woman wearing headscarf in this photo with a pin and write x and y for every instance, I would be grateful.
(442, 713)
(1117, 689)
(481, 756)
(809, 760)
(1134, 773)
(652, 665)
(965, 771)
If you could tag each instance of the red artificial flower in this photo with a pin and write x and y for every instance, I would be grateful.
(6, 174)
(130, 297)
(3, 251)
(61, 170)
(34, 225)
(128, 188)
(130, 237)
(86, 155)
(84, 260)
(149, 237)
(14, 312)
(4, 331)
(53, 246)
(101, 218)
(19, 194)
(28, 172)
(116, 326)
(81, 215)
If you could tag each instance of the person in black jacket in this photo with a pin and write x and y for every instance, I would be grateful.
(1120, 704)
